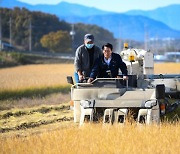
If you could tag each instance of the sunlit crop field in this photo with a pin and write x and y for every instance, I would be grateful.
(69, 138)
(100, 139)
(165, 68)
(33, 76)
(30, 76)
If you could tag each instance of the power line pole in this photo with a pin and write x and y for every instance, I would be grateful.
(30, 36)
(0, 34)
(10, 31)
(72, 33)
(146, 38)
(120, 38)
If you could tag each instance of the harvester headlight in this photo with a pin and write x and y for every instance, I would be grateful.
(150, 103)
(85, 103)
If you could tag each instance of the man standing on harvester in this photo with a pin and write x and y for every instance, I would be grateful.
(86, 54)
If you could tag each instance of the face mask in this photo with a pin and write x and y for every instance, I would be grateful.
(89, 46)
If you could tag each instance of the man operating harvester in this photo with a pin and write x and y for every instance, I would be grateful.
(108, 65)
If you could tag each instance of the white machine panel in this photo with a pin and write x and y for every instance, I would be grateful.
(148, 60)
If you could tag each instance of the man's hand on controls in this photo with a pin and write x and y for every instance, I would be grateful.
(81, 77)
(90, 80)
(124, 77)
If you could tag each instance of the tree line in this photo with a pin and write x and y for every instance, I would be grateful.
(46, 32)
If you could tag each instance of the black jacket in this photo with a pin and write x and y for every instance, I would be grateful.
(102, 70)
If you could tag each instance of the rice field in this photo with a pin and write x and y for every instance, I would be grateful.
(100, 139)
(33, 76)
(53, 136)
(167, 68)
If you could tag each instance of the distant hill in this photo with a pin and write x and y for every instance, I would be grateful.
(168, 15)
(42, 24)
(131, 25)
(13, 3)
(61, 9)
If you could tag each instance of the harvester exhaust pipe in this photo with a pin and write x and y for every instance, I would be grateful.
(160, 94)
(160, 91)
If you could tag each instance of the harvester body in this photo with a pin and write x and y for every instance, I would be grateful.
(142, 94)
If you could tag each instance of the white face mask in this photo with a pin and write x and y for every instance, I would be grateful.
(89, 46)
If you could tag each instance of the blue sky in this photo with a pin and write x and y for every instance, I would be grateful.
(112, 5)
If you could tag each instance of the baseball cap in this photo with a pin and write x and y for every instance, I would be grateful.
(89, 37)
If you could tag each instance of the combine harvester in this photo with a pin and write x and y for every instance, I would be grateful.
(143, 95)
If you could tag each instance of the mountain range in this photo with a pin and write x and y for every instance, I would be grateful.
(168, 15)
(134, 24)
(61, 9)
(129, 27)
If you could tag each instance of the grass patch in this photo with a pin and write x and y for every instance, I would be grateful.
(42, 110)
(172, 116)
(27, 125)
(98, 138)
(33, 92)
(18, 119)
(9, 59)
